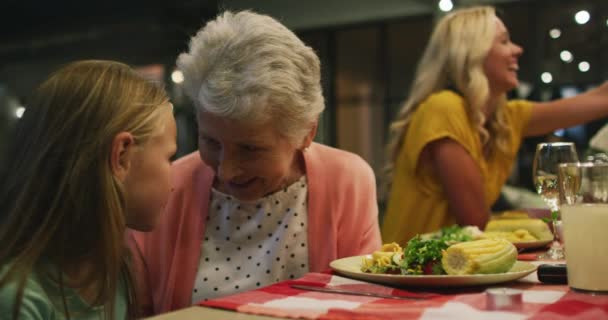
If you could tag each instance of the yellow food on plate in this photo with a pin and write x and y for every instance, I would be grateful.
(381, 256)
(536, 227)
(519, 235)
(479, 256)
(385, 260)
(391, 247)
(512, 214)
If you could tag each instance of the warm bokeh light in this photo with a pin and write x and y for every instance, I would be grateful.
(555, 33)
(566, 56)
(177, 76)
(19, 112)
(446, 5)
(546, 77)
(582, 17)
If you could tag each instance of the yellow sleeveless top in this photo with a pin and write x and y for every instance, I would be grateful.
(417, 202)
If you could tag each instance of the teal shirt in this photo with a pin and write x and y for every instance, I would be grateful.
(41, 300)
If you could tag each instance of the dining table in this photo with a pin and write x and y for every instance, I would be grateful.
(285, 300)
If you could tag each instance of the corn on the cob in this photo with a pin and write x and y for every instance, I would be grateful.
(479, 256)
(536, 227)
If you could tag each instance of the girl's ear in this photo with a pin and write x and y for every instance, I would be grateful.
(120, 154)
(310, 136)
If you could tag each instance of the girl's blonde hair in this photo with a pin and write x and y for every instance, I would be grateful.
(453, 59)
(60, 204)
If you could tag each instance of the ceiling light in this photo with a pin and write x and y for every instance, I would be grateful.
(19, 112)
(555, 33)
(566, 56)
(546, 77)
(584, 66)
(446, 5)
(582, 17)
(177, 76)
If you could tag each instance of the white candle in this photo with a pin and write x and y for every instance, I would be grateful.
(504, 299)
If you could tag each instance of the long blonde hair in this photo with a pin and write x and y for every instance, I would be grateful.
(60, 204)
(453, 59)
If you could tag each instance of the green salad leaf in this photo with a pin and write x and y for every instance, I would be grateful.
(455, 233)
(388, 269)
(419, 253)
(423, 255)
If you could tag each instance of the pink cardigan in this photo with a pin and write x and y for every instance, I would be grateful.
(342, 222)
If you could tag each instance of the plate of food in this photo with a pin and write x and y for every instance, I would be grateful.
(523, 232)
(351, 267)
(452, 259)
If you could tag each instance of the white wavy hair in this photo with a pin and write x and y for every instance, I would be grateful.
(248, 67)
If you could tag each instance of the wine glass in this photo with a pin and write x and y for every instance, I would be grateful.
(545, 174)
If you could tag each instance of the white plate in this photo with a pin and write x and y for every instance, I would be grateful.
(351, 267)
(532, 244)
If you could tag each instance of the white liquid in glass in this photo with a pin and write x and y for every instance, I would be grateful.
(586, 242)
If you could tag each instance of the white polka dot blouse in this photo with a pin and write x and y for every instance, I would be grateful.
(248, 245)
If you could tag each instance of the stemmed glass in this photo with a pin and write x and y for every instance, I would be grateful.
(545, 174)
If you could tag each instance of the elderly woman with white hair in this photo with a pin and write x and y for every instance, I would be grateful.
(260, 202)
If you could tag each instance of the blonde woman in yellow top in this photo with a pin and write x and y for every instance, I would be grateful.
(456, 137)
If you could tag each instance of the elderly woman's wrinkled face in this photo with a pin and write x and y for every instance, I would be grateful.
(250, 161)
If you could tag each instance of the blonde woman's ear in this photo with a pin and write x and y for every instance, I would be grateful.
(120, 154)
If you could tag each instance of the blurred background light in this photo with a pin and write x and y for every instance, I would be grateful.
(446, 5)
(566, 56)
(555, 33)
(546, 77)
(584, 66)
(177, 76)
(19, 112)
(582, 17)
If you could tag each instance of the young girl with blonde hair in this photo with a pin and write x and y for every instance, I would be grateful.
(91, 157)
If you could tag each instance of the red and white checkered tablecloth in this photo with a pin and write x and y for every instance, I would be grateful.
(541, 301)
